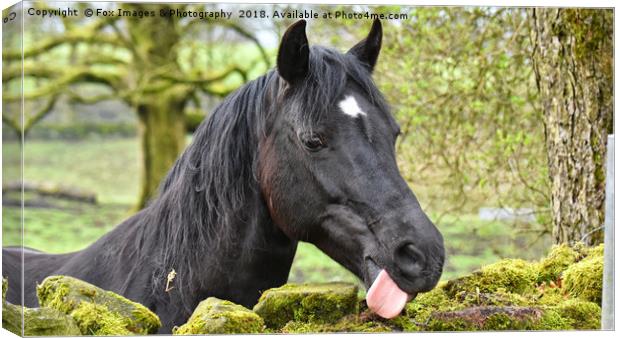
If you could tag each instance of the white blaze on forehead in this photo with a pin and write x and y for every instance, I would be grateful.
(350, 107)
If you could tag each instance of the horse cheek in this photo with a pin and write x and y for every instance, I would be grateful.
(268, 181)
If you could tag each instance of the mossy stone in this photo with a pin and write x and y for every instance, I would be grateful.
(12, 318)
(216, 316)
(5, 287)
(500, 297)
(496, 318)
(584, 279)
(584, 315)
(596, 251)
(317, 303)
(509, 295)
(559, 259)
(551, 320)
(418, 311)
(98, 320)
(95, 309)
(513, 275)
(39, 321)
(351, 323)
(549, 296)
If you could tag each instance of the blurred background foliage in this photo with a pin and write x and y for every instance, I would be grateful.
(459, 80)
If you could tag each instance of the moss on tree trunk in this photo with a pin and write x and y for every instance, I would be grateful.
(159, 103)
(573, 53)
(162, 139)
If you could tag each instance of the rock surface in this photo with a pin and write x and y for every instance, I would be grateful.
(317, 303)
(39, 321)
(96, 311)
(216, 316)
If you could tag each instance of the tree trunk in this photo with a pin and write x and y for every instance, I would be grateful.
(573, 57)
(159, 104)
(162, 139)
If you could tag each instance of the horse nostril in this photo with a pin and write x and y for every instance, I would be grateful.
(409, 259)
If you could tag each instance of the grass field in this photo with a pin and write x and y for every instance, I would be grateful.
(109, 168)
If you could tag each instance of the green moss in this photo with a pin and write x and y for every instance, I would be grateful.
(318, 303)
(497, 318)
(5, 286)
(502, 321)
(38, 321)
(351, 323)
(514, 275)
(585, 278)
(555, 293)
(582, 249)
(216, 316)
(552, 266)
(549, 296)
(499, 298)
(12, 318)
(584, 315)
(76, 298)
(97, 320)
(419, 310)
(596, 251)
(551, 320)
(435, 324)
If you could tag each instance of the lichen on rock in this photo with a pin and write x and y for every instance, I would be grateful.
(216, 316)
(317, 303)
(96, 311)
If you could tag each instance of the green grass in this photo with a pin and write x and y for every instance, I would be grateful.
(311, 265)
(110, 168)
(106, 167)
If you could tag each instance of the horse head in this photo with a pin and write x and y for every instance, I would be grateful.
(328, 173)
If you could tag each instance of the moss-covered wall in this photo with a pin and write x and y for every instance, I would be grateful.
(560, 292)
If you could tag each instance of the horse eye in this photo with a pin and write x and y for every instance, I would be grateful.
(313, 142)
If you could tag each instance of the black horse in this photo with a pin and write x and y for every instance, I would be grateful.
(303, 153)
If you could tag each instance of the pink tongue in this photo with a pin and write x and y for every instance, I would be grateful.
(385, 298)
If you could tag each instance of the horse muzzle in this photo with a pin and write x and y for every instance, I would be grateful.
(411, 265)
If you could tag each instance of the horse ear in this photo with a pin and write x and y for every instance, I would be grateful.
(368, 49)
(294, 53)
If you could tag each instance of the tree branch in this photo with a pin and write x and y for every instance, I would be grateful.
(16, 126)
(241, 31)
(84, 36)
(29, 69)
(218, 92)
(76, 98)
(66, 78)
(200, 81)
(38, 116)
